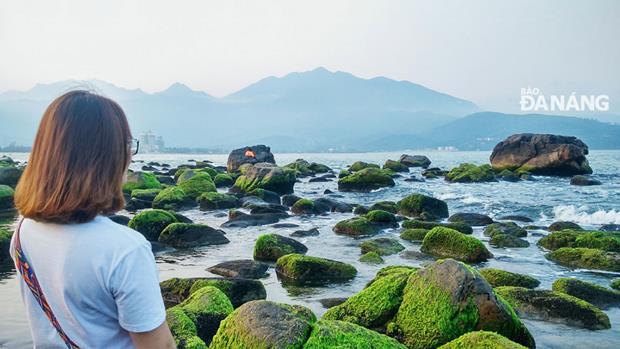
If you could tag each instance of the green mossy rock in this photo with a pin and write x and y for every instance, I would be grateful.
(183, 329)
(358, 226)
(217, 201)
(382, 218)
(600, 296)
(416, 234)
(265, 325)
(151, 223)
(303, 168)
(206, 308)
(470, 173)
(5, 242)
(389, 206)
(145, 194)
(507, 241)
(6, 197)
(185, 174)
(382, 246)
(506, 228)
(419, 205)
(222, 180)
(360, 210)
(448, 243)
(140, 180)
(173, 199)
(300, 269)
(615, 284)
(482, 340)
(184, 235)
(554, 306)
(395, 166)
(602, 240)
(360, 165)
(498, 277)
(9, 173)
(196, 185)
(417, 224)
(270, 247)
(238, 290)
(371, 258)
(448, 299)
(561, 225)
(366, 180)
(266, 176)
(346, 335)
(304, 207)
(376, 304)
(587, 258)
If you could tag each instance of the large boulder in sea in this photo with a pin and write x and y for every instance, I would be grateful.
(415, 161)
(542, 154)
(300, 269)
(238, 290)
(266, 176)
(422, 206)
(366, 180)
(185, 235)
(140, 180)
(151, 223)
(498, 277)
(172, 198)
(598, 295)
(9, 174)
(6, 197)
(470, 173)
(249, 155)
(586, 258)
(448, 299)
(265, 324)
(5, 242)
(341, 334)
(270, 247)
(448, 243)
(304, 168)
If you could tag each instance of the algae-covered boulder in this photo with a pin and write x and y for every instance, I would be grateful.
(331, 205)
(241, 268)
(6, 197)
(448, 299)
(184, 235)
(140, 180)
(563, 225)
(9, 173)
(587, 258)
(360, 165)
(434, 172)
(382, 246)
(222, 180)
(415, 234)
(507, 228)
(474, 219)
(615, 284)
(470, 173)
(580, 180)
(376, 304)
(151, 223)
(389, 206)
(554, 306)
(304, 168)
(304, 207)
(300, 269)
(238, 290)
(217, 201)
(200, 183)
(183, 330)
(415, 160)
(266, 176)
(448, 243)
(249, 155)
(5, 242)
(395, 166)
(383, 218)
(270, 247)
(418, 224)
(603, 240)
(358, 226)
(145, 194)
(419, 205)
(265, 325)
(482, 340)
(498, 277)
(598, 295)
(366, 180)
(341, 334)
(371, 258)
(508, 241)
(172, 198)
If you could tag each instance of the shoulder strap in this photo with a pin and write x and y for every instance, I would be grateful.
(27, 272)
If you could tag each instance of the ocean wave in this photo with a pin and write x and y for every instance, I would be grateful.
(581, 215)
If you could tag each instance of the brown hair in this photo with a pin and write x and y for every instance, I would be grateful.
(78, 162)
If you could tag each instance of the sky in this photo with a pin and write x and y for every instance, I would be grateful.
(481, 50)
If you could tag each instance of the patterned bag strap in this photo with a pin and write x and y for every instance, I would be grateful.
(27, 272)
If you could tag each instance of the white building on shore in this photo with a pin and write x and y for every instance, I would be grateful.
(151, 143)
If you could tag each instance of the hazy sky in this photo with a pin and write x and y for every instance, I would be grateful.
(484, 51)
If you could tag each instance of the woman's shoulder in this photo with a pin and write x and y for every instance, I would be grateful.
(118, 233)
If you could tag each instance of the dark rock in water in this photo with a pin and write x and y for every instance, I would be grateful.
(249, 155)
(120, 219)
(416, 205)
(242, 220)
(289, 199)
(358, 226)
(598, 295)
(382, 246)
(434, 297)
(584, 181)
(270, 247)
(299, 269)
(324, 178)
(174, 199)
(305, 233)
(434, 172)
(272, 208)
(303, 168)
(360, 210)
(150, 223)
(307, 207)
(9, 175)
(395, 166)
(384, 219)
(498, 277)
(366, 180)
(265, 176)
(181, 218)
(252, 201)
(586, 258)
(506, 240)
(331, 205)
(610, 227)
(6, 197)
(332, 302)
(267, 195)
(238, 290)
(158, 247)
(475, 219)
(415, 161)
(389, 206)
(149, 168)
(223, 180)
(134, 205)
(414, 179)
(418, 224)
(327, 191)
(560, 225)
(243, 268)
(166, 180)
(470, 173)
(542, 154)
(265, 324)
(554, 306)
(217, 201)
(360, 165)
(416, 255)
(506, 228)
(285, 225)
(516, 218)
(508, 176)
(184, 235)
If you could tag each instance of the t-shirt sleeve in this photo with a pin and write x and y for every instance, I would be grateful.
(135, 287)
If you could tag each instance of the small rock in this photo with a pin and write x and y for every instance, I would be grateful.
(243, 268)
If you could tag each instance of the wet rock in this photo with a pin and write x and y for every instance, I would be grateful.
(516, 218)
(327, 191)
(151, 223)
(415, 234)
(267, 195)
(249, 155)
(434, 172)
(597, 295)
(389, 206)
(165, 179)
(414, 179)
(289, 199)
(359, 226)
(508, 241)
(270, 247)
(584, 181)
(5, 243)
(332, 302)
(331, 205)
(415, 161)
(173, 198)
(371, 258)
(196, 185)
(305, 233)
(223, 180)
(366, 180)
(382, 246)
(285, 225)
(321, 179)
(470, 173)
(417, 224)
(9, 174)
(542, 154)
(6, 197)
(305, 207)
(481, 339)
(418, 205)
(508, 176)
(448, 299)
(185, 235)
(554, 306)
(475, 219)
(560, 225)
(360, 165)
(217, 201)
(120, 219)
(341, 334)
(140, 180)
(242, 220)
(447, 243)
(266, 176)
(608, 241)
(395, 166)
(299, 269)
(382, 218)
(242, 268)
(587, 258)
(303, 168)
(498, 277)
(238, 290)
(360, 210)
(506, 228)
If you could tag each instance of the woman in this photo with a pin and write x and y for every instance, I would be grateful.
(98, 279)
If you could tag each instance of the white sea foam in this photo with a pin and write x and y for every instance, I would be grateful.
(470, 199)
(581, 215)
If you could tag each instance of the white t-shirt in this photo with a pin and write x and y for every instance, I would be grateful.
(99, 278)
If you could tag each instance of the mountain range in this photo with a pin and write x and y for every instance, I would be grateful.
(317, 110)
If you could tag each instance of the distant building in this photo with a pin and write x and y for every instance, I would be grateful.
(151, 143)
